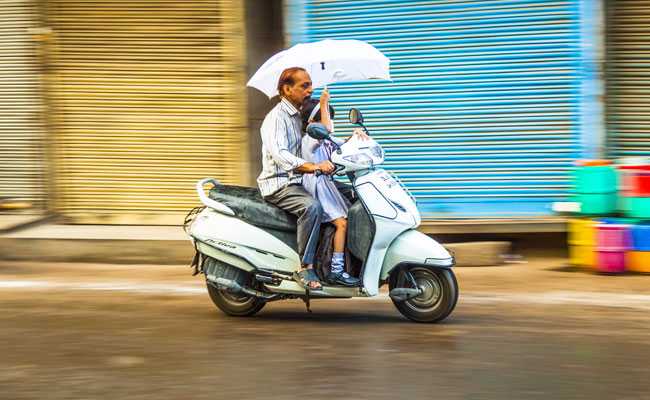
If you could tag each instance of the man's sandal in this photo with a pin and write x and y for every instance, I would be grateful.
(306, 276)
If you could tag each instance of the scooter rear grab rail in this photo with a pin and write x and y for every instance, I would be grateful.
(208, 202)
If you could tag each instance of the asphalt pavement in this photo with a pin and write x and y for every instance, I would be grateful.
(532, 330)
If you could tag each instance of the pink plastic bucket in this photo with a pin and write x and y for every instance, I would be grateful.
(613, 237)
(611, 262)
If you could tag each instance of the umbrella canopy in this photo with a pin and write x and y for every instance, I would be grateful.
(327, 61)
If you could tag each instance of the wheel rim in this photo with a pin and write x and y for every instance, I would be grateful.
(234, 298)
(431, 295)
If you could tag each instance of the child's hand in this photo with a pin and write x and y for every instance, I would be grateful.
(324, 97)
(360, 133)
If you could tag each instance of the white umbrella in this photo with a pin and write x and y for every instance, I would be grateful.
(328, 61)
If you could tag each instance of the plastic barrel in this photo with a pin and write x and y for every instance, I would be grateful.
(611, 262)
(637, 207)
(582, 256)
(582, 231)
(582, 242)
(640, 237)
(596, 203)
(595, 188)
(595, 179)
(612, 242)
(635, 180)
(638, 261)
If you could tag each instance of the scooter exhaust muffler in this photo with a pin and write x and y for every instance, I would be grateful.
(234, 287)
(229, 284)
(403, 294)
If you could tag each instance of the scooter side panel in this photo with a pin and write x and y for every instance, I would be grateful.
(376, 189)
(225, 257)
(416, 247)
(387, 230)
(240, 239)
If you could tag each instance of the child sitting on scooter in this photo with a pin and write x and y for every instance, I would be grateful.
(335, 206)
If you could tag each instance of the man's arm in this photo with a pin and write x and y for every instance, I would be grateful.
(274, 135)
(275, 138)
(309, 168)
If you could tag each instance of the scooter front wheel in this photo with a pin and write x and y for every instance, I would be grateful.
(439, 292)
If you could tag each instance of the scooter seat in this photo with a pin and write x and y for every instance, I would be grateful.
(249, 205)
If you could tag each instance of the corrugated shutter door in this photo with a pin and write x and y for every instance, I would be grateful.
(21, 128)
(481, 118)
(628, 78)
(149, 99)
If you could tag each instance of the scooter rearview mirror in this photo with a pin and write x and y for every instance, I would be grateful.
(355, 116)
(357, 119)
(318, 131)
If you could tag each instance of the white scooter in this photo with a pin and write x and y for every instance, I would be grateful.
(246, 247)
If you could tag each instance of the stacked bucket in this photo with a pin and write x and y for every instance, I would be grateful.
(611, 245)
(613, 241)
(638, 259)
(595, 190)
(582, 242)
(595, 186)
(635, 190)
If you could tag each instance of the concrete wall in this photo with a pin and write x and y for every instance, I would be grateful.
(264, 37)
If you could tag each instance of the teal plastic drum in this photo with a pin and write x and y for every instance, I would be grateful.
(595, 179)
(596, 203)
(637, 207)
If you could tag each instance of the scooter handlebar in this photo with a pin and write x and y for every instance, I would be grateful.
(222, 208)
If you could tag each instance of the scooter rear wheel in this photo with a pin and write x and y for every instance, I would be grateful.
(234, 304)
(439, 293)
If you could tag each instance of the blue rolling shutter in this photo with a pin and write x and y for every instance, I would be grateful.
(481, 119)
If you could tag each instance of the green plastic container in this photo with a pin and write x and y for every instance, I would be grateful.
(637, 207)
(621, 203)
(596, 203)
(595, 179)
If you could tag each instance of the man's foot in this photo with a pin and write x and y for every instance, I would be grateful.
(308, 279)
(342, 279)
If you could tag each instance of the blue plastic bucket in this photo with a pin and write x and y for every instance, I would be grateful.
(640, 237)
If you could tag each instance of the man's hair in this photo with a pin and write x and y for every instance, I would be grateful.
(287, 77)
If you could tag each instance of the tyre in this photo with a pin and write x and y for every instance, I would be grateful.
(439, 297)
(234, 304)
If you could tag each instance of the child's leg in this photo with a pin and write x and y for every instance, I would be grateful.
(338, 262)
(341, 225)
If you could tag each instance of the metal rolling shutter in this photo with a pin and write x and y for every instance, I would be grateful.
(481, 119)
(21, 128)
(628, 73)
(149, 99)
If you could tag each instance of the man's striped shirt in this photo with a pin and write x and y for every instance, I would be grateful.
(281, 146)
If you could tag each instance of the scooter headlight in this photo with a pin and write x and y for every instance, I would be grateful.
(361, 159)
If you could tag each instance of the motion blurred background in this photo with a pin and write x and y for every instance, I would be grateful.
(110, 111)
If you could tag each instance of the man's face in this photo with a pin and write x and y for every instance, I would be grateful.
(300, 90)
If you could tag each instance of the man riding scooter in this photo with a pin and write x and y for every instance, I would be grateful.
(280, 181)
(247, 245)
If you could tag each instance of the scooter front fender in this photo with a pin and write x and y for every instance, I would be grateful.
(415, 247)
